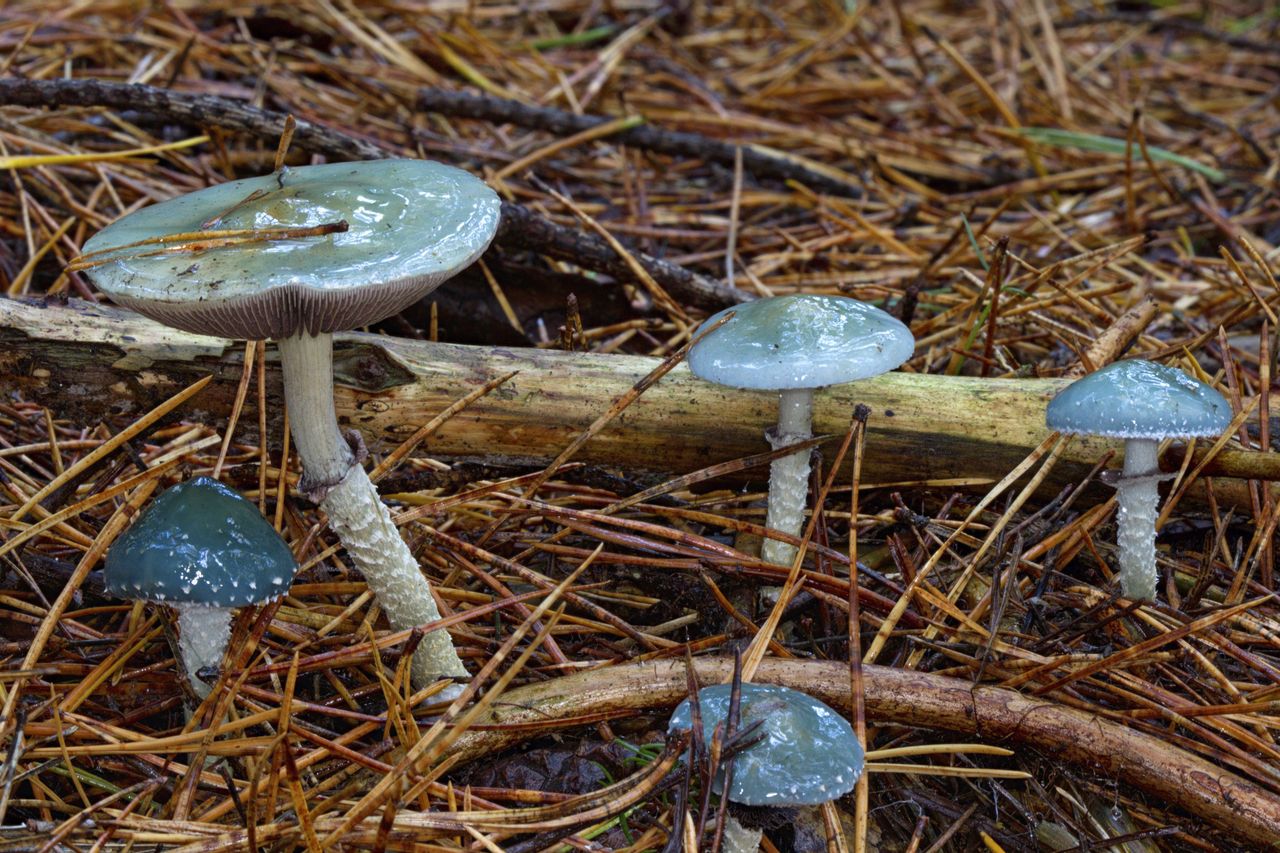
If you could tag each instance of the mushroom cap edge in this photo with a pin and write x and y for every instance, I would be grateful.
(1135, 398)
(800, 341)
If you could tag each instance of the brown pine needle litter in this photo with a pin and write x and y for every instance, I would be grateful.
(1036, 188)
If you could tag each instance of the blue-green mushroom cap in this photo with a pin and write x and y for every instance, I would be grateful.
(1139, 399)
(800, 341)
(411, 224)
(809, 754)
(200, 543)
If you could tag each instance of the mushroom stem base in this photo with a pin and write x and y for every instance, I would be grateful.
(203, 634)
(332, 477)
(738, 838)
(363, 523)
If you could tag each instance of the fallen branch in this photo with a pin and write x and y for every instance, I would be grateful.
(86, 361)
(520, 228)
(199, 110)
(1206, 791)
(755, 161)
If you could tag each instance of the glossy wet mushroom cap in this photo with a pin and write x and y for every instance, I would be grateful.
(200, 543)
(202, 549)
(794, 345)
(264, 257)
(809, 754)
(1142, 403)
(1135, 398)
(411, 224)
(800, 341)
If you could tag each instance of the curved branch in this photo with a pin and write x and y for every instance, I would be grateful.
(1205, 791)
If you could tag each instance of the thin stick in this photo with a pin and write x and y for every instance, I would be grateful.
(619, 405)
(735, 206)
(286, 138)
(862, 803)
(118, 521)
(192, 242)
(111, 446)
(250, 355)
(890, 621)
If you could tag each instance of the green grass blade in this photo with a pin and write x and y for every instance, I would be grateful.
(572, 39)
(973, 242)
(1108, 145)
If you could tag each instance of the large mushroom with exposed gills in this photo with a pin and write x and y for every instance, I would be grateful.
(296, 256)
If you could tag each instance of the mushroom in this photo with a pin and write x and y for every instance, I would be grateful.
(807, 754)
(203, 550)
(382, 235)
(794, 345)
(1143, 403)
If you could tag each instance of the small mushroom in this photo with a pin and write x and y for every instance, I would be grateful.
(1142, 403)
(313, 250)
(203, 550)
(794, 345)
(807, 756)
(807, 753)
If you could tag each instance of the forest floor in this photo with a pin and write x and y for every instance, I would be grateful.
(1036, 188)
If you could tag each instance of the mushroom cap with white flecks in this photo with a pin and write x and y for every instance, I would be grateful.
(200, 543)
(809, 754)
(800, 341)
(1135, 398)
(411, 224)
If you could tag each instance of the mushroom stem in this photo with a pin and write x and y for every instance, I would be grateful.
(356, 512)
(307, 363)
(1137, 496)
(738, 838)
(788, 476)
(203, 634)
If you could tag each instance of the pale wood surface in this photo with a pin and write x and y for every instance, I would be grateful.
(86, 360)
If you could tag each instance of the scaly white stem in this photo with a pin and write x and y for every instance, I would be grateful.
(788, 476)
(1137, 496)
(203, 633)
(356, 512)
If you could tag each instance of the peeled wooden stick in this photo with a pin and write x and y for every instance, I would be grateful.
(1108, 346)
(85, 361)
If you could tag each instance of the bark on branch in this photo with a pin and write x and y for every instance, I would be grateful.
(755, 161)
(1204, 790)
